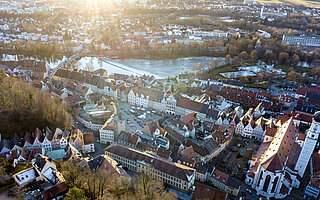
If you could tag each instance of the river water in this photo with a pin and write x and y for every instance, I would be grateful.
(166, 67)
(158, 68)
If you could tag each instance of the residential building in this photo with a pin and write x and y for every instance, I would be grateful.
(104, 162)
(313, 188)
(175, 175)
(209, 193)
(88, 142)
(43, 169)
(128, 139)
(107, 131)
(224, 182)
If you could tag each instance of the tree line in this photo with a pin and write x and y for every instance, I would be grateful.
(25, 108)
(86, 184)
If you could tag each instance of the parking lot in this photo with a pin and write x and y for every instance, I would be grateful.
(136, 117)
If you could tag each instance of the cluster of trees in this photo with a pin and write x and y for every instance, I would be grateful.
(269, 50)
(296, 21)
(25, 108)
(85, 184)
(240, 49)
(51, 51)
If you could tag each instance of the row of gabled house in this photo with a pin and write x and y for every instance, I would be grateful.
(29, 67)
(45, 141)
(174, 104)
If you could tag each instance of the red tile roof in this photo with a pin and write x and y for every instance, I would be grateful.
(208, 193)
(220, 176)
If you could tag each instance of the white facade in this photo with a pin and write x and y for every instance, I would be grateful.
(106, 136)
(247, 131)
(46, 144)
(308, 147)
(239, 128)
(142, 101)
(258, 132)
(132, 98)
(89, 148)
(170, 105)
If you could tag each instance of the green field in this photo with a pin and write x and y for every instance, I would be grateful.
(287, 68)
(307, 3)
(215, 72)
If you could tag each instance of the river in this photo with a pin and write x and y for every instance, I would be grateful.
(158, 68)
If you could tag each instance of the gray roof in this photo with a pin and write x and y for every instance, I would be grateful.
(170, 168)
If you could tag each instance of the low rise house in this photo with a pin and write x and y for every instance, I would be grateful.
(107, 131)
(206, 192)
(43, 169)
(104, 162)
(224, 182)
(128, 139)
(313, 188)
(88, 142)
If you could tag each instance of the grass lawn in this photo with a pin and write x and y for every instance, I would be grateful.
(20, 168)
(215, 72)
(286, 68)
(229, 68)
(261, 85)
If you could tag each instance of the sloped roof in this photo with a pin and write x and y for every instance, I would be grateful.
(174, 169)
(273, 163)
(174, 134)
(128, 138)
(220, 176)
(270, 131)
(283, 148)
(28, 138)
(41, 161)
(186, 103)
(151, 127)
(88, 138)
(16, 141)
(198, 149)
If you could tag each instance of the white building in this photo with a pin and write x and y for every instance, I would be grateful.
(88, 142)
(279, 164)
(107, 131)
(308, 146)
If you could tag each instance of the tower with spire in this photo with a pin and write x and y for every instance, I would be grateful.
(308, 145)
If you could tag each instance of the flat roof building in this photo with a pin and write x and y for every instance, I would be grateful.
(301, 41)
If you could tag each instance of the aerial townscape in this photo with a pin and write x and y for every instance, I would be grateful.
(160, 99)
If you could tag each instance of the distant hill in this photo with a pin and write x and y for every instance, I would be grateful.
(307, 3)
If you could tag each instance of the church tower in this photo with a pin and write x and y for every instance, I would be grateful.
(309, 144)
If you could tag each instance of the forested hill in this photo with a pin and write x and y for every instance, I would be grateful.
(23, 108)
